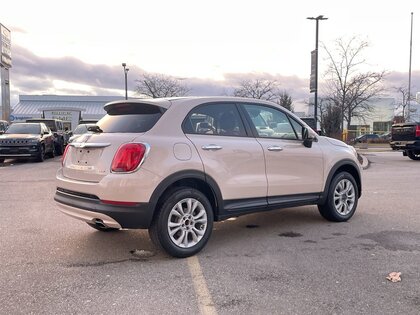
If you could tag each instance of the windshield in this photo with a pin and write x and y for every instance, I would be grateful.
(81, 129)
(50, 123)
(24, 129)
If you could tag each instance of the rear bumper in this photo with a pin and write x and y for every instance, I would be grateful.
(405, 145)
(90, 208)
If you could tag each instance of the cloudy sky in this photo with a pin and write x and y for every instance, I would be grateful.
(77, 47)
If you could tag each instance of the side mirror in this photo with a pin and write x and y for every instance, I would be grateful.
(307, 140)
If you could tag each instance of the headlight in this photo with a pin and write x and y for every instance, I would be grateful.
(33, 141)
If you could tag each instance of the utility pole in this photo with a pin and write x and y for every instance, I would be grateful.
(125, 76)
(5, 65)
(409, 69)
(314, 68)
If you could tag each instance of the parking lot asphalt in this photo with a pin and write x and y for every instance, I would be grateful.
(287, 261)
(363, 150)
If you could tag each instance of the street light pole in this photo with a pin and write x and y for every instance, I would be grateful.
(409, 70)
(320, 17)
(125, 75)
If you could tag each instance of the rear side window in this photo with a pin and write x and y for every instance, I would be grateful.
(130, 118)
(215, 119)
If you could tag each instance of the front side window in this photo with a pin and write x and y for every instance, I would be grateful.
(298, 128)
(270, 122)
(215, 119)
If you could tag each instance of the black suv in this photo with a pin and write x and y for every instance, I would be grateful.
(27, 140)
(61, 137)
(3, 126)
(406, 137)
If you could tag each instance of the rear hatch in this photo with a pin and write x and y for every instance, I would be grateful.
(404, 132)
(90, 156)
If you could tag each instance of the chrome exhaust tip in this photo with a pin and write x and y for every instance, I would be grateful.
(99, 223)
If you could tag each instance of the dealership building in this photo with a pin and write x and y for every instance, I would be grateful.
(70, 109)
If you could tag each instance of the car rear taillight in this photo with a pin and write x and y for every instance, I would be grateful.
(418, 131)
(63, 157)
(128, 157)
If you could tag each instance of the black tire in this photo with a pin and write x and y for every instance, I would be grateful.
(191, 230)
(52, 153)
(41, 154)
(59, 148)
(102, 228)
(413, 156)
(342, 198)
(1, 160)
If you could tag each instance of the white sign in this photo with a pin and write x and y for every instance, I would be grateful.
(64, 115)
(6, 47)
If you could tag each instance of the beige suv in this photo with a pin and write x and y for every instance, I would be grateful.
(174, 166)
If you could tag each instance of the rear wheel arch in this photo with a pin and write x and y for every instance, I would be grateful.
(348, 166)
(187, 179)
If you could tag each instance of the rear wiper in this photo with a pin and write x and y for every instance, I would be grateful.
(95, 129)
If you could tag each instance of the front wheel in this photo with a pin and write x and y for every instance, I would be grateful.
(183, 224)
(52, 153)
(59, 148)
(414, 156)
(342, 198)
(41, 154)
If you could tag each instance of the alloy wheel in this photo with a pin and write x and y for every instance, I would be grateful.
(187, 223)
(344, 197)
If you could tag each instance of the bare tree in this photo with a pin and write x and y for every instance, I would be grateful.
(160, 85)
(347, 87)
(405, 98)
(258, 88)
(268, 90)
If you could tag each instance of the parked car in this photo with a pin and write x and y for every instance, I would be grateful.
(406, 137)
(152, 164)
(27, 141)
(367, 137)
(61, 136)
(80, 130)
(385, 136)
(3, 126)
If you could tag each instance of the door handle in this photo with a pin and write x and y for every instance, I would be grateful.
(211, 147)
(275, 148)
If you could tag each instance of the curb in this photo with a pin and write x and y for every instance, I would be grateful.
(365, 161)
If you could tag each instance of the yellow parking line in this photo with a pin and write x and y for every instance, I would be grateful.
(205, 302)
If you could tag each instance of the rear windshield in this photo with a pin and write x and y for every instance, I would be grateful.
(130, 118)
